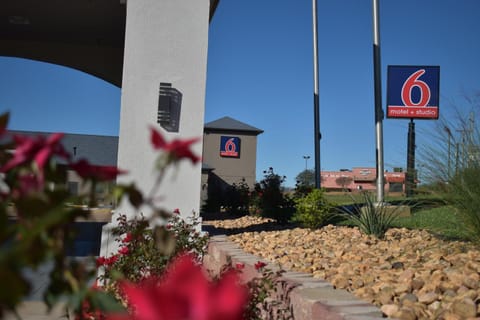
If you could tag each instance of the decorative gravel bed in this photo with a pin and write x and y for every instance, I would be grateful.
(410, 274)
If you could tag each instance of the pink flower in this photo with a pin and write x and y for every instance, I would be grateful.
(100, 261)
(123, 251)
(100, 173)
(179, 149)
(38, 149)
(168, 226)
(176, 211)
(111, 260)
(240, 266)
(185, 293)
(127, 238)
(27, 183)
(259, 265)
(103, 261)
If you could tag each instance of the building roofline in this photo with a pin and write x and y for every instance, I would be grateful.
(227, 124)
(213, 8)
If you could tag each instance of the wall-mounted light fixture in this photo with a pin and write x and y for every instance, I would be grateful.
(169, 107)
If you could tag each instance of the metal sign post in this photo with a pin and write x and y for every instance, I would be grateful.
(378, 103)
(411, 173)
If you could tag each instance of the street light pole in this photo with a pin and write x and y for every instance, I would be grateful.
(305, 173)
(306, 160)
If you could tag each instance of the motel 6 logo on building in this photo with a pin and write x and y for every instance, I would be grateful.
(230, 146)
(413, 92)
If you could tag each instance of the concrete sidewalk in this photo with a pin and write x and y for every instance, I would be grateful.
(86, 244)
(33, 307)
(37, 310)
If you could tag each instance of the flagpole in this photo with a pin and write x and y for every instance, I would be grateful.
(378, 103)
(316, 102)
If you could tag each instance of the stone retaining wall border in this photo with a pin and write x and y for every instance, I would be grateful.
(308, 298)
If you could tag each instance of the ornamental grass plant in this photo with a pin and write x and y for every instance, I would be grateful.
(370, 217)
(451, 164)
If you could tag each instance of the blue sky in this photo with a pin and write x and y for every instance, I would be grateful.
(260, 72)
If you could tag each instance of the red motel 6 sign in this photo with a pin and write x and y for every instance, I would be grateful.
(230, 147)
(413, 92)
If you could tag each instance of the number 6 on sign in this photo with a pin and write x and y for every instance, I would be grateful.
(413, 92)
(411, 83)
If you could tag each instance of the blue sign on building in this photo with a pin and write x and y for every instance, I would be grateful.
(230, 147)
(413, 92)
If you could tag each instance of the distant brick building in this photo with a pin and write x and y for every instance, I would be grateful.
(362, 179)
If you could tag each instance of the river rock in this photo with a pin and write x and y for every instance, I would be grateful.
(424, 276)
(464, 308)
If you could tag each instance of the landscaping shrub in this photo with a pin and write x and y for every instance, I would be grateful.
(313, 210)
(371, 218)
(237, 198)
(269, 200)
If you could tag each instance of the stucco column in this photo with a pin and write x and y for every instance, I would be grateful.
(165, 42)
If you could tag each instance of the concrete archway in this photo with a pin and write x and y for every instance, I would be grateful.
(85, 35)
(138, 45)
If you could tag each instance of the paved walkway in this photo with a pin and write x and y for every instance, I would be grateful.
(33, 308)
(37, 310)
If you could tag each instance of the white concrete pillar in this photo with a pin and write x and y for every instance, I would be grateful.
(165, 42)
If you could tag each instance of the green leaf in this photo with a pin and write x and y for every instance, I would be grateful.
(105, 302)
(75, 299)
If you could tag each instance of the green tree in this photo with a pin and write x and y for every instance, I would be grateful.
(306, 178)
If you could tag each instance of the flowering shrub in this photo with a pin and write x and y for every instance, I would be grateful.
(145, 252)
(156, 272)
